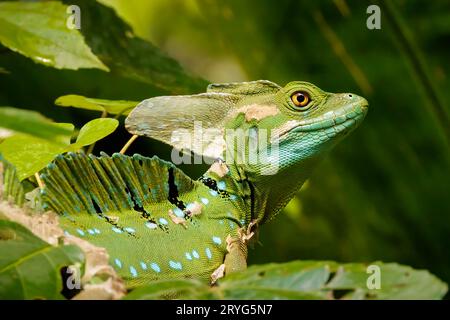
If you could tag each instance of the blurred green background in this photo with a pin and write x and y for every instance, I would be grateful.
(383, 193)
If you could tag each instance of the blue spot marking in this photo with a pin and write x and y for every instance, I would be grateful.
(163, 221)
(190, 206)
(242, 221)
(151, 225)
(188, 256)
(213, 193)
(116, 230)
(204, 200)
(175, 265)
(67, 233)
(220, 221)
(118, 263)
(133, 272)
(155, 267)
(217, 240)
(178, 212)
(130, 230)
(97, 231)
(80, 232)
(51, 166)
(208, 253)
(91, 231)
(221, 185)
(233, 197)
(143, 265)
(195, 254)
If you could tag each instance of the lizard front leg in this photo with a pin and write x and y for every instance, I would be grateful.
(236, 258)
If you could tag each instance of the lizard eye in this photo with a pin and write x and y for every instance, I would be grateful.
(300, 99)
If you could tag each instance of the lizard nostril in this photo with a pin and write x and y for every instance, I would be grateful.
(350, 95)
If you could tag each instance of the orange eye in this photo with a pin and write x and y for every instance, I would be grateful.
(300, 98)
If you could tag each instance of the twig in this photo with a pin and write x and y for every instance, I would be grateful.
(39, 181)
(128, 144)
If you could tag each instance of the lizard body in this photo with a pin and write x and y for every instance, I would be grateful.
(155, 221)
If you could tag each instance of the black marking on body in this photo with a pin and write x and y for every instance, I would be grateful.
(163, 228)
(212, 184)
(110, 221)
(97, 209)
(173, 191)
(139, 208)
(114, 223)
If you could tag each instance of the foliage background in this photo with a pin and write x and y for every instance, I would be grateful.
(382, 194)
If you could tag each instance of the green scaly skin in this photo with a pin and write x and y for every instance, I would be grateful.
(169, 226)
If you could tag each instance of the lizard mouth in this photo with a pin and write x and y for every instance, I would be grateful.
(333, 122)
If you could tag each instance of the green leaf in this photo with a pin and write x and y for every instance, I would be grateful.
(93, 131)
(130, 56)
(42, 140)
(35, 124)
(305, 280)
(30, 267)
(110, 106)
(39, 31)
(29, 154)
(397, 282)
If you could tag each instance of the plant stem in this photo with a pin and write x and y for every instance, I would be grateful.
(39, 181)
(128, 144)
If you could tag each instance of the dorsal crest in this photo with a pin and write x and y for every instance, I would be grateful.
(245, 88)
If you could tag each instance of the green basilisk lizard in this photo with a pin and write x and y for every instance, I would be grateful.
(158, 223)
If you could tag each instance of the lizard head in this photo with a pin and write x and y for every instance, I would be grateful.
(311, 121)
(285, 127)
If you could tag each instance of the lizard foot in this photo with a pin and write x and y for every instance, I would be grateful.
(246, 234)
(218, 273)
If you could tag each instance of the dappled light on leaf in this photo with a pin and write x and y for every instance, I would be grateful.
(44, 36)
(116, 107)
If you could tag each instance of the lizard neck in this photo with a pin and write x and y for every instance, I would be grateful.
(232, 184)
(273, 192)
(257, 197)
